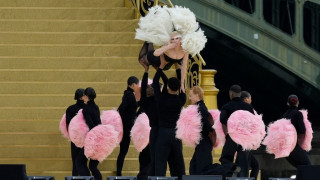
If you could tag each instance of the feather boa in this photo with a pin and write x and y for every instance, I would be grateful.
(246, 129)
(281, 138)
(221, 137)
(140, 132)
(305, 142)
(189, 126)
(63, 127)
(100, 142)
(78, 129)
(113, 118)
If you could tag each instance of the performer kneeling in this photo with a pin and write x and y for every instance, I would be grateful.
(201, 162)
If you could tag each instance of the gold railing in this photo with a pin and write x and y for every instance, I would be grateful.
(195, 76)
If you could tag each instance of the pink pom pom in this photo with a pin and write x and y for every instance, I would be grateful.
(221, 137)
(78, 129)
(140, 132)
(100, 142)
(281, 138)
(305, 141)
(246, 129)
(63, 127)
(113, 118)
(189, 126)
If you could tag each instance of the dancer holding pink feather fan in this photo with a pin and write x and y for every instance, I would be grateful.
(231, 147)
(201, 162)
(298, 142)
(64, 125)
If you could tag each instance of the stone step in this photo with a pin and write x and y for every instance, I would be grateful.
(63, 152)
(62, 3)
(36, 113)
(55, 100)
(73, 75)
(16, 87)
(68, 25)
(88, 38)
(63, 164)
(21, 87)
(67, 13)
(70, 50)
(70, 63)
(29, 126)
(32, 138)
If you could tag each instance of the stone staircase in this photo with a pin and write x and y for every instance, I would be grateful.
(48, 49)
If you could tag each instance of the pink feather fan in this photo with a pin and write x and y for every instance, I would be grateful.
(189, 126)
(221, 137)
(246, 129)
(78, 129)
(140, 132)
(305, 141)
(112, 117)
(100, 142)
(63, 127)
(281, 138)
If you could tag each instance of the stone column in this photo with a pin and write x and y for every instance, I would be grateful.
(209, 88)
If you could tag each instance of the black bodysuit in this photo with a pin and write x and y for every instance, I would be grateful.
(155, 60)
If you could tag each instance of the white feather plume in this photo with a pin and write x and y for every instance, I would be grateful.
(155, 27)
(184, 20)
(194, 42)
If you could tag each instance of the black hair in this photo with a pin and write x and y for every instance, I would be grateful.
(174, 84)
(235, 88)
(245, 94)
(131, 80)
(293, 100)
(235, 91)
(78, 94)
(90, 92)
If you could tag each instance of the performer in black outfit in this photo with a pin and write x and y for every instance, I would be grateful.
(70, 113)
(127, 111)
(254, 164)
(201, 162)
(230, 147)
(298, 156)
(91, 114)
(148, 106)
(169, 103)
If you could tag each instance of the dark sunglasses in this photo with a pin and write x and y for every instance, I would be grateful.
(175, 38)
